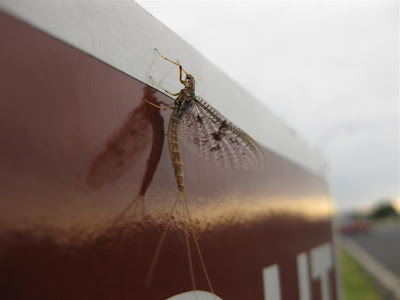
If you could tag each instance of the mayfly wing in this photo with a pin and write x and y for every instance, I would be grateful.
(209, 134)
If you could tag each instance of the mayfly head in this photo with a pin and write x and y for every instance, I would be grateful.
(189, 82)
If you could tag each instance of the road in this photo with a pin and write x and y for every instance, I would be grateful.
(382, 242)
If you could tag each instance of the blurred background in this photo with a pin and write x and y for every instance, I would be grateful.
(330, 70)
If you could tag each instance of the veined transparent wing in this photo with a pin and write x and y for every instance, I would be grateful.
(208, 133)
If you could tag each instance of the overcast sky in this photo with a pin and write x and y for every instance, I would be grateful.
(329, 69)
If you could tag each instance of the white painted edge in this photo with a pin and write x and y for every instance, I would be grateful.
(387, 279)
(195, 295)
(124, 35)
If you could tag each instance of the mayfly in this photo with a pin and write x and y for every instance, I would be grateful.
(208, 133)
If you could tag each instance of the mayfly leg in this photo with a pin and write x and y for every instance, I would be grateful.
(159, 107)
(160, 244)
(161, 87)
(170, 60)
(175, 63)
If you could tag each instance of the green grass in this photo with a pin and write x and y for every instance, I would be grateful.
(356, 284)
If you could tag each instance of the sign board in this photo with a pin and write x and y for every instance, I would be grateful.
(87, 185)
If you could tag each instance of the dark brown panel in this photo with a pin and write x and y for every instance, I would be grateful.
(86, 186)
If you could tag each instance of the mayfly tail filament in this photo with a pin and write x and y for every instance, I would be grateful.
(188, 244)
(159, 245)
(196, 242)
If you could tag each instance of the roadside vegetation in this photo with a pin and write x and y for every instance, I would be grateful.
(355, 283)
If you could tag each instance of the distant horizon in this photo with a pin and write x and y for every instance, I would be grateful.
(368, 207)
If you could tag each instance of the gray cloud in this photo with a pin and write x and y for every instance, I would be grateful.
(323, 67)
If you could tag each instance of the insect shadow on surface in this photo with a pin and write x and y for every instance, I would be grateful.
(125, 148)
(210, 135)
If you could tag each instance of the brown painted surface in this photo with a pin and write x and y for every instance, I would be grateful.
(86, 185)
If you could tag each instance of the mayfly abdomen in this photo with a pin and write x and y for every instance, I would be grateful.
(174, 150)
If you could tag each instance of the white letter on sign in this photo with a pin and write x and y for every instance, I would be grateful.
(321, 262)
(272, 290)
(303, 276)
